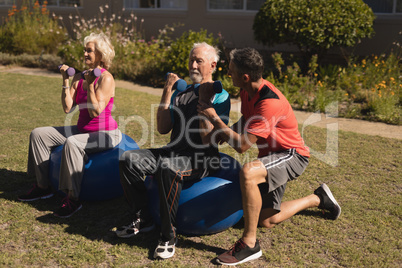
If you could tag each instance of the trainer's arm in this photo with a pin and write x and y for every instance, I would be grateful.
(206, 131)
(240, 142)
(163, 118)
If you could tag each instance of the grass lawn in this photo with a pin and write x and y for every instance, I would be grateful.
(366, 182)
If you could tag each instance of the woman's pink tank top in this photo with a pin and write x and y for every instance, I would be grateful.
(85, 123)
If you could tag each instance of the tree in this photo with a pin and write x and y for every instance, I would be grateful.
(313, 25)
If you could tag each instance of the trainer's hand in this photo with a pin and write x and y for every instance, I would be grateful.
(206, 109)
(206, 92)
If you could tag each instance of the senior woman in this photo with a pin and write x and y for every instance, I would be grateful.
(95, 131)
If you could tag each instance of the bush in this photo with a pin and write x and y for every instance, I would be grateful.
(315, 25)
(31, 31)
(368, 89)
(135, 59)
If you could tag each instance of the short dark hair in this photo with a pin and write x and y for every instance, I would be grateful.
(248, 61)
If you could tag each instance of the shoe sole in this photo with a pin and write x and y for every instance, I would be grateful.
(143, 230)
(69, 215)
(37, 198)
(332, 198)
(249, 258)
(157, 256)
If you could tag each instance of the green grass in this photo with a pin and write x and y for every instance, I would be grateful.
(366, 182)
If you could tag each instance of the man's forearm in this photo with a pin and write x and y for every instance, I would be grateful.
(163, 120)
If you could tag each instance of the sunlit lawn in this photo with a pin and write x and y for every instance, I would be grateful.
(366, 182)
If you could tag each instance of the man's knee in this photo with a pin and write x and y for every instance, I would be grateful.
(268, 218)
(267, 223)
(128, 158)
(253, 172)
(171, 167)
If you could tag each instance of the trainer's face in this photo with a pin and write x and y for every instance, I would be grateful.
(199, 65)
(91, 55)
(236, 78)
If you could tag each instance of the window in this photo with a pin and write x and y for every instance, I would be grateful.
(6, 2)
(385, 6)
(235, 4)
(61, 3)
(162, 4)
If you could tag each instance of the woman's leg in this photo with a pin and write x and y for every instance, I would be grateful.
(41, 142)
(75, 153)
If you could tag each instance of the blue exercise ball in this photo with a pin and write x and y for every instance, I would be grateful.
(206, 206)
(101, 179)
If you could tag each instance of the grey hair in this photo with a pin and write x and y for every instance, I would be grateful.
(212, 53)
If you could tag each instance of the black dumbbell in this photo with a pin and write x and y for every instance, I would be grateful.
(218, 86)
(180, 84)
(95, 72)
(70, 71)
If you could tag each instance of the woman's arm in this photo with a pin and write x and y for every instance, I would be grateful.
(68, 93)
(98, 96)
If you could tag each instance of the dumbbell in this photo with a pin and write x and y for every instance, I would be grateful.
(180, 84)
(95, 72)
(208, 92)
(70, 71)
(216, 86)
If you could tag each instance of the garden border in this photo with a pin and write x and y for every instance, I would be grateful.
(344, 124)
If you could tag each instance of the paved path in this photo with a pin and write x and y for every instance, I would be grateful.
(304, 118)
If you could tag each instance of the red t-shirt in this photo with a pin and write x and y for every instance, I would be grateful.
(269, 116)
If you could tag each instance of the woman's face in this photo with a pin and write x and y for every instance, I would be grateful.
(91, 55)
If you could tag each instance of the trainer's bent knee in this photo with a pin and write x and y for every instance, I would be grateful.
(253, 171)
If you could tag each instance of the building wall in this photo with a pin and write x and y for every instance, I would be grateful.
(234, 26)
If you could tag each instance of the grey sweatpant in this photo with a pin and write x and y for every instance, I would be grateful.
(76, 147)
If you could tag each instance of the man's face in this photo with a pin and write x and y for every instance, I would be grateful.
(236, 78)
(200, 66)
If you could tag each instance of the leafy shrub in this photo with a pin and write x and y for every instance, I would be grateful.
(120, 31)
(367, 89)
(31, 31)
(377, 86)
(315, 25)
(135, 59)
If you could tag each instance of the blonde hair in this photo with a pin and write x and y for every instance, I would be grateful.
(104, 46)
